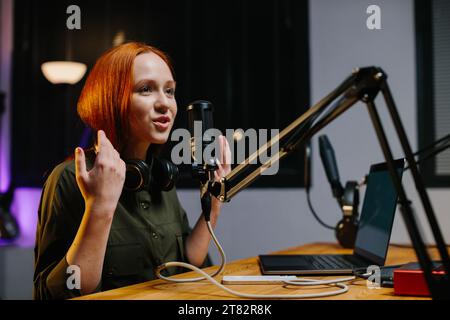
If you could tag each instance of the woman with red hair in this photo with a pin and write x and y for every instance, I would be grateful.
(92, 235)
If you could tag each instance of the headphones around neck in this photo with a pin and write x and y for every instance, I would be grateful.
(141, 175)
(152, 173)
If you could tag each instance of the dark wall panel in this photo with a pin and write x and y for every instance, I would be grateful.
(249, 58)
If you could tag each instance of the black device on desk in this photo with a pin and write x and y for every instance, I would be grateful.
(372, 240)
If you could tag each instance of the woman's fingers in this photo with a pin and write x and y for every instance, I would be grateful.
(102, 140)
(222, 170)
(106, 154)
(225, 155)
(104, 146)
(103, 184)
(80, 165)
(224, 159)
(217, 176)
(222, 155)
(219, 173)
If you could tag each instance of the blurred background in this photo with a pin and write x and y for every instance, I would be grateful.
(262, 64)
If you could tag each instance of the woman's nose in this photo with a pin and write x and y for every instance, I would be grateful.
(162, 104)
(161, 108)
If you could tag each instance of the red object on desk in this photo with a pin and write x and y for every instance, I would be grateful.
(410, 281)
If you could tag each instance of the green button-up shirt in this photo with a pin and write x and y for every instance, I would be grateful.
(148, 228)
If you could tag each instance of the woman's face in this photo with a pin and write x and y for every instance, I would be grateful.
(153, 107)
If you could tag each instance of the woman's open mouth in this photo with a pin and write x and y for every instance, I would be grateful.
(162, 123)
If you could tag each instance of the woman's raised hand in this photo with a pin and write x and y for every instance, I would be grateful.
(224, 168)
(101, 186)
(224, 160)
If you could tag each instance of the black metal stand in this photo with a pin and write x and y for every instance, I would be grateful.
(363, 85)
(205, 174)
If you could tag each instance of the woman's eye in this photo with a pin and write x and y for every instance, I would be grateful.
(145, 89)
(170, 91)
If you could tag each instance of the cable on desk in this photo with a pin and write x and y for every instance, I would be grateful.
(344, 288)
(184, 265)
(299, 282)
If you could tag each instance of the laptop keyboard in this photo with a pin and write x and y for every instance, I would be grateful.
(330, 262)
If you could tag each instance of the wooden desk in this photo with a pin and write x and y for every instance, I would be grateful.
(158, 289)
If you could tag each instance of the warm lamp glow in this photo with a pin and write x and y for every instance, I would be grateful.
(63, 71)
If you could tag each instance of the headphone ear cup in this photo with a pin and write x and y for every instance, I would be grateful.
(164, 174)
(137, 175)
(347, 228)
(351, 195)
(345, 231)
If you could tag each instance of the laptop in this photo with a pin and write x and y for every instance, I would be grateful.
(372, 239)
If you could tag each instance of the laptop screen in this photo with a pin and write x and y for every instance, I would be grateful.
(377, 215)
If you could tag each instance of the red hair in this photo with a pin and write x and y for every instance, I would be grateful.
(104, 101)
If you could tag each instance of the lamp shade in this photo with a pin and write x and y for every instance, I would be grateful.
(63, 71)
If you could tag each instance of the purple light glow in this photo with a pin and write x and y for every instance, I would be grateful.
(4, 155)
(6, 34)
(25, 209)
(4, 175)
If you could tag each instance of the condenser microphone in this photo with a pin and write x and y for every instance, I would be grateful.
(200, 120)
(330, 166)
(348, 197)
